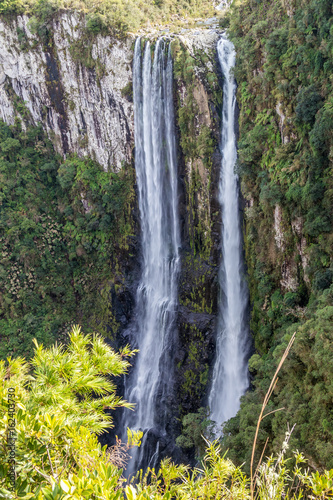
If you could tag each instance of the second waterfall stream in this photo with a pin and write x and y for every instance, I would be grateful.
(150, 383)
(230, 374)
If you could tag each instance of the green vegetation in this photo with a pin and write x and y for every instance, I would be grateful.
(194, 427)
(285, 62)
(81, 52)
(62, 224)
(195, 376)
(59, 401)
(196, 291)
(110, 16)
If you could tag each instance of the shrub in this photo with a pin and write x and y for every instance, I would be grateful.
(323, 279)
(309, 102)
(276, 44)
(195, 426)
(60, 401)
(96, 23)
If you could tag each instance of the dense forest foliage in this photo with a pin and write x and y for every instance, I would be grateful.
(61, 223)
(285, 64)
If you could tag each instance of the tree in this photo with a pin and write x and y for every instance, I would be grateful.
(51, 412)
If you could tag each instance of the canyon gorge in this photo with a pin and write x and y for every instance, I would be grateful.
(171, 190)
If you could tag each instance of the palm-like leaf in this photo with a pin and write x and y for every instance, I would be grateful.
(73, 381)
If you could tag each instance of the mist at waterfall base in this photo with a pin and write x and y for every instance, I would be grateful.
(149, 385)
(230, 377)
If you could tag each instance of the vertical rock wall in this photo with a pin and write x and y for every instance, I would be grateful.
(79, 88)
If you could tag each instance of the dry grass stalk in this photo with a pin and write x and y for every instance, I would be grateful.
(266, 399)
(259, 463)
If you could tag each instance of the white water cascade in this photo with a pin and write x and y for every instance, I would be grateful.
(156, 170)
(225, 4)
(230, 374)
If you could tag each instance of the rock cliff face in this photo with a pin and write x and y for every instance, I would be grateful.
(199, 100)
(81, 104)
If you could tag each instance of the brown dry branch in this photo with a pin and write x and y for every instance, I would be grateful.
(118, 453)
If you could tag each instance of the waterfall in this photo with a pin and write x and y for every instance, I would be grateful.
(230, 374)
(150, 383)
(225, 4)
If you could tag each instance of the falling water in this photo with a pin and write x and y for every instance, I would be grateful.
(230, 374)
(156, 170)
(225, 4)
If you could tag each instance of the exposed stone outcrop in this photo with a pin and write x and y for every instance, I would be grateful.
(201, 40)
(278, 229)
(297, 227)
(82, 108)
(289, 278)
(278, 109)
(199, 123)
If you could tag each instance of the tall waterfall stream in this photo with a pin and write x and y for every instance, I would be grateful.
(230, 374)
(150, 384)
(156, 170)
